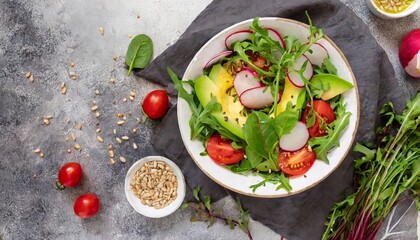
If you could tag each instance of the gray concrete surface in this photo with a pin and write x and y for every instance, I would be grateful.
(43, 37)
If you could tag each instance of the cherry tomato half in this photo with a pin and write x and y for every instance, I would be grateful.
(86, 205)
(155, 104)
(222, 152)
(325, 111)
(297, 162)
(70, 174)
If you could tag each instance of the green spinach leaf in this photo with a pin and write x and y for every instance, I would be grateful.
(139, 52)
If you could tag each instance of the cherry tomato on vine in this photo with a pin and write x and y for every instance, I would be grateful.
(297, 162)
(325, 111)
(222, 152)
(86, 205)
(155, 104)
(69, 175)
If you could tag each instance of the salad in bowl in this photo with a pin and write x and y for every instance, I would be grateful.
(268, 107)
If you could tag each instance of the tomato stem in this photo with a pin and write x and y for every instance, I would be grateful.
(59, 186)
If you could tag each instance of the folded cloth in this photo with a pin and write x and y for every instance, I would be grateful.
(300, 216)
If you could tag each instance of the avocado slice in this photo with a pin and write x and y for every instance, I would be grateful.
(217, 85)
(333, 83)
(292, 94)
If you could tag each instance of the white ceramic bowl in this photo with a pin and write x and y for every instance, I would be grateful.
(241, 183)
(385, 15)
(150, 211)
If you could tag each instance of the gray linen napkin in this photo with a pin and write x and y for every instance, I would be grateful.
(300, 216)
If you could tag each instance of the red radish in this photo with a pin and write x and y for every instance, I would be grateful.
(276, 37)
(294, 76)
(296, 139)
(237, 37)
(319, 53)
(245, 80)
(410, 53)
(217, 58)
(257, 97)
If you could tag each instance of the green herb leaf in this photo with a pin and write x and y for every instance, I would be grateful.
(139, 52)
(286, 121)
(196, 192)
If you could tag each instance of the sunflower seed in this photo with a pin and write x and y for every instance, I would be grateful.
(101, 30)
(77, 146)
(37, 150)
(99, 139)
(123, 160)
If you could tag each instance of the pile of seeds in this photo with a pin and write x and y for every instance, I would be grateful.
(155, 184)
(393, 6)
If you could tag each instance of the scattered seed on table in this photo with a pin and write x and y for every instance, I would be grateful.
(129, 36)
(124, 118)
(94, 108)
(124, 99)
(97, 114)
(98, 130)
(112, 161)
(72, 64)
(64, 90)
(94, 102)
(79, 125)
(99, 139)
(131, 98)
(125, 138)
(37, 150)
(114, 131)
(68, 150)
(41, 155)
(110, 146)
(123, 160)
(31, 78)
(118, 140)
(48, 117)
(77, 146)
(115, 57)
(28, 74)
(67, 139)
(46, 121)
(134, 145)
(73, 136)
(133, 94)
(111, 153)
(129, 112)
(112, 80)
(121, 122)
(134, 130)
(119, 114)
(101, 30)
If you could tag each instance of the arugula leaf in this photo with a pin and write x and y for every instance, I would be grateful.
(139, 52)
(322, 145)
(261, 138)
(286, 121)
(329, 66)
(276, 178)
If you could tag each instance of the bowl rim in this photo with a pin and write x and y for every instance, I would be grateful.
(412, 8)
(353, 78)
(136, 203)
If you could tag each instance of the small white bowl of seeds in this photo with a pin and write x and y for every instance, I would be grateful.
(155, 186)
(391, 9)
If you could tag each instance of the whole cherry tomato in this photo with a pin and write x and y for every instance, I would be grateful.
(69, 175)
(155, 104)
(86, 205)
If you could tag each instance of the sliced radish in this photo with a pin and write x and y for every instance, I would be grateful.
(413, 67)
(257, 97)
(319, 53)
(217, 58)
(294, 75)
(245, 80)
(237, 37)
(276, 36)
(296, 139)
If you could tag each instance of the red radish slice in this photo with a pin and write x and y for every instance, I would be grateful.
(276, 37)
(217, 58)
(319, 53)
(409, 53)
(296, 139)
(413, 67)
(245, 80)
(237, 37)
(257, 97)
(294, 75)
